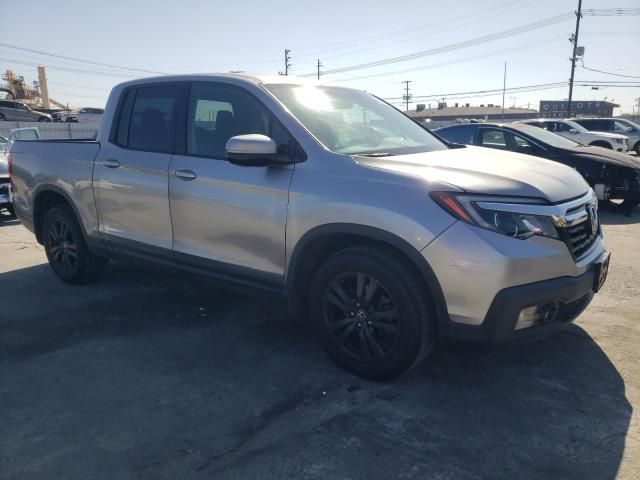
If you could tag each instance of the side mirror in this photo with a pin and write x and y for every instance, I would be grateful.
(252, 150)
(573, 130)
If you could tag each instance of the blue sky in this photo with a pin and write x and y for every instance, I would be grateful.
(207, 36)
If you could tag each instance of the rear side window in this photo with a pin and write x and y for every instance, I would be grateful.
(596, 125)
(146, 119)
(152, 122)
(463, 134)
(493, 139)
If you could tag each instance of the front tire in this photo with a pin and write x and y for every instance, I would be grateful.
(371, 311)
(67, 252)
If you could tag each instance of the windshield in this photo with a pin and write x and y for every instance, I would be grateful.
(354, 122)
(577, 126)
(547, 137)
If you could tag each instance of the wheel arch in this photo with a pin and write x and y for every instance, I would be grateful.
(321, 241)
(47, 197)
(601, 143)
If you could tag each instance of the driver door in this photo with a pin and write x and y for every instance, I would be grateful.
(228, 219)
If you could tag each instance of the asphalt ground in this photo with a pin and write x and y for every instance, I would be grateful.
(155, 375)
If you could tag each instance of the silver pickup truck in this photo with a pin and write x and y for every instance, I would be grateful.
(383, 236)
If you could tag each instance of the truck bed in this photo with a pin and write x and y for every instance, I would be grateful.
(63, 167)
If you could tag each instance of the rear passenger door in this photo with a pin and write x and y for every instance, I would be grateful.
(226, 218)
(131, 172)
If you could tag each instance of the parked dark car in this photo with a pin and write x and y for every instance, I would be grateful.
(614, 176)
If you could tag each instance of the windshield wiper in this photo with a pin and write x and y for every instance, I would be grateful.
(375, 154)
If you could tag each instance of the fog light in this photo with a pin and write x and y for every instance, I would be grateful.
(528, 317)
(531, 316)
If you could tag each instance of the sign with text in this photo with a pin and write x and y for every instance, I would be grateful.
(555, 108)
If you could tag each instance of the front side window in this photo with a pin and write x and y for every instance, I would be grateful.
(218, 112)
(354, 122)
(152, 120)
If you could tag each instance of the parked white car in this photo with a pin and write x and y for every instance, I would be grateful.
(576, 132)
(621, 126)
(80, 115)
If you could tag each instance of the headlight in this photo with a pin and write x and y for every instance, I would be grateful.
(619, 140)
(512, 224)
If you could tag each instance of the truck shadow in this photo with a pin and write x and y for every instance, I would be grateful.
(612, 216)
(194, 382)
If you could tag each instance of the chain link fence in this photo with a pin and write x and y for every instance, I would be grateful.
(54, 130)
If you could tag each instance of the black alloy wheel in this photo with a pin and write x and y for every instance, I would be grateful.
(66, 249)
(63, 246)
(372, 311)
(362, 316)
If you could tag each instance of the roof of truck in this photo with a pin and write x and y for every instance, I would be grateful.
(243, 77)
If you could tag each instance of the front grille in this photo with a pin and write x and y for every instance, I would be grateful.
(580, 237)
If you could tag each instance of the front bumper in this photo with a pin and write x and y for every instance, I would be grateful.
(5, 193)
(572, 294)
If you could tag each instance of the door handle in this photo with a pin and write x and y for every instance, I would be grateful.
(184, 174)
(111, 163)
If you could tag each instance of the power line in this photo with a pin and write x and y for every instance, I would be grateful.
(81, 60)
(425, 30)
(609, 73)
(68, 69)
(522, 88)
(447, 48)
(453, 62)
(612, 12)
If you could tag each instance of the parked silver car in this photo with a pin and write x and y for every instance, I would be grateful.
(380, 234)
(19, 112)
(620, 126)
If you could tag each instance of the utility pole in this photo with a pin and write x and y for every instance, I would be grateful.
(504, 87)
(287, 64)
(406, 96)
(319, 65)
(574, 40)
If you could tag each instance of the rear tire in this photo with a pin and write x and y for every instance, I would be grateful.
(67, 252)
(371, 311)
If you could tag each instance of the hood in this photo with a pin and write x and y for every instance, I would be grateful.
(608, 135)
(606, 155)
(489, 171)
